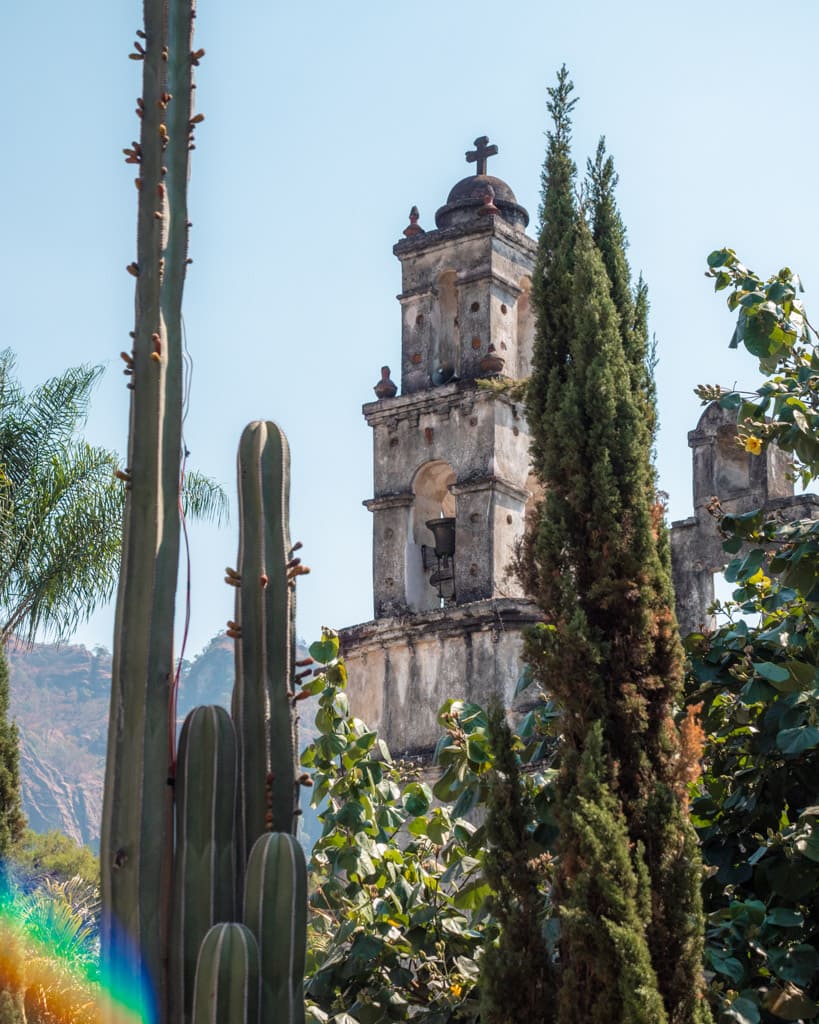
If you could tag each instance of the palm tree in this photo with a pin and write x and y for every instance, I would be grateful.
(61, 506)
(61, 509)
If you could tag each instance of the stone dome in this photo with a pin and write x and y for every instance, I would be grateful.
(467, 197)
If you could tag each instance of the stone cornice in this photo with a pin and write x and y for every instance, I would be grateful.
(389, 501)
(498, 614)
(481, 274)
(434, 399)
(496, 483)
(429, 240)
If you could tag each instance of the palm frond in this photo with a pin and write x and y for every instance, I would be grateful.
(204, 499)
(67, 525)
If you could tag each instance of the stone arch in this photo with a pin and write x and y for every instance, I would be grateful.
(432, 498)
(525, 327)
(446, 334)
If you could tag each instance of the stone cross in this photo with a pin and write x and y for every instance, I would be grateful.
(480, 153)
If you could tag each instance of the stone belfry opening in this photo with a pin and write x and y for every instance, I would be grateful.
(450, 469)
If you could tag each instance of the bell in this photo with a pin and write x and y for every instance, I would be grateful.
(443, 530)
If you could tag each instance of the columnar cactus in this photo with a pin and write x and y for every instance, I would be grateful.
(136, 827)
(204, 878)
(227, 977)
(275, 901)
(163, 888)
(266, 644)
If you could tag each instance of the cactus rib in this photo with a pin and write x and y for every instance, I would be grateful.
(276, 913)
(205, 861)
(226, 989)
(265, 651)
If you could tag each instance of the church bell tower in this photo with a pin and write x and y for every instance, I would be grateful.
(451, 470)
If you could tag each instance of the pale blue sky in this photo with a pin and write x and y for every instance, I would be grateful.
(324, 124)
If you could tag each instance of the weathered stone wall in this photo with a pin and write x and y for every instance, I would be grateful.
(740, 482)
(402, 669)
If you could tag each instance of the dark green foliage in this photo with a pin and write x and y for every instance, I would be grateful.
(12, 820)
(53, 855)
(397, 893)
(607, 975)
(609, 235)
(609, 650)
(757, 814)
(553, 264)
(517, 982)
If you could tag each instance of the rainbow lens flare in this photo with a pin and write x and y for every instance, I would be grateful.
(49, 954)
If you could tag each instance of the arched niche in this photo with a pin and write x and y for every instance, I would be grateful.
(432, 499)
(732, 464)
(525, 328)
(446, 335)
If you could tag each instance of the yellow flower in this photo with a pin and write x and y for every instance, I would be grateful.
(753, 445)
(456, 990)
(760, 580)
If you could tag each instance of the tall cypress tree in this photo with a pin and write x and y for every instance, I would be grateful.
(553, 263)
(610, 237)
(658, 820)
(609, 650)
(589, 570)
(12, 820)
(517, 978)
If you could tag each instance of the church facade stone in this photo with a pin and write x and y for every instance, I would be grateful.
(724, 473)
(449, 458)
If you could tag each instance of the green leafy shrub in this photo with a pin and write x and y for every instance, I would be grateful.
(756, 677)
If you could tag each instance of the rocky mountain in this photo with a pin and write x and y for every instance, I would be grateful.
(59, 699)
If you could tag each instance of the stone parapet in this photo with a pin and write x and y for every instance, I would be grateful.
(401, 669)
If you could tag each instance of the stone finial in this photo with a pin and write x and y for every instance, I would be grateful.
(488, 200)
(385, 388)
(413, 228)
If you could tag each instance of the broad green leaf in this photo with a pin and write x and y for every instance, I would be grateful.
(803, 674)
(756, 691)
(801, 420)
(784, 917)
(477, 750)
(524, 680)
(741, 1011)
(799, 964)
(727, 965)
(325, 650)
(796, 741)
(418, 826)
(417, 798)
(771, 672)
(719, 257)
